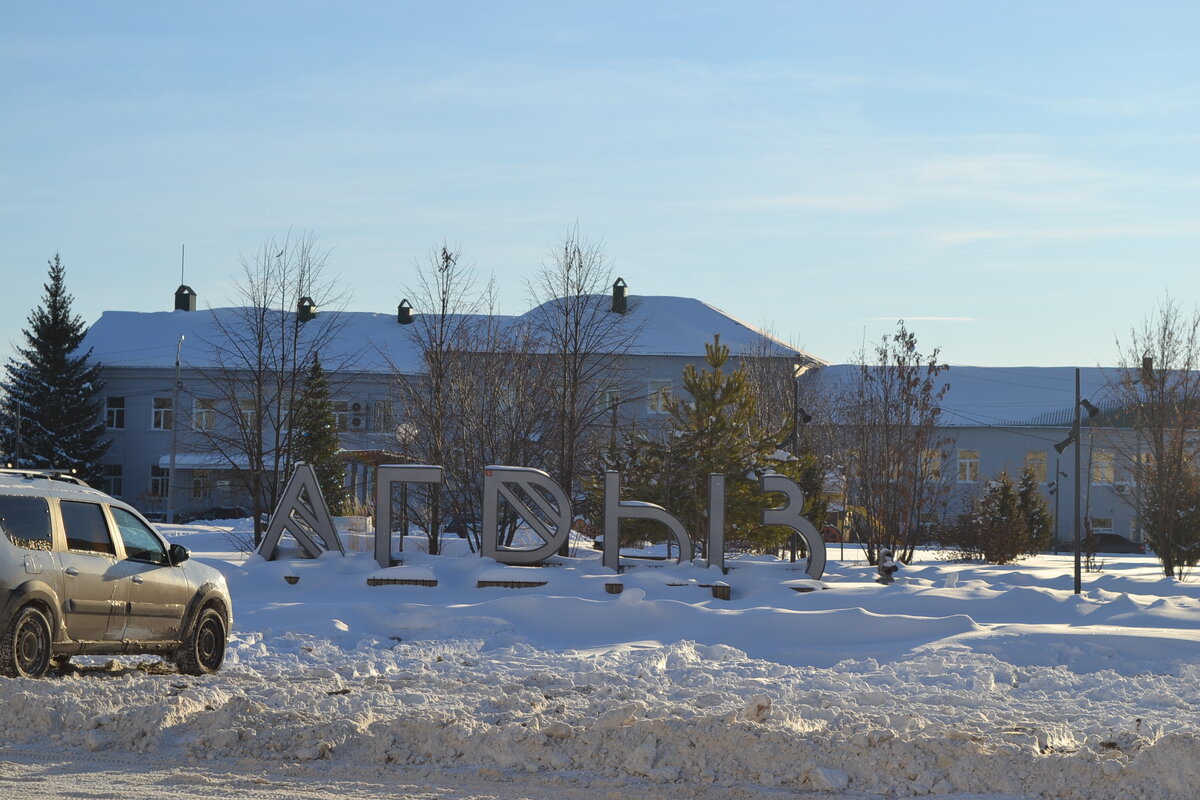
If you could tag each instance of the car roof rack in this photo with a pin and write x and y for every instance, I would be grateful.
(67, 475)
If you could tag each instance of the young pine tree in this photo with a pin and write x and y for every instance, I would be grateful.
(315, 439)
(51, 410)
(715, 431)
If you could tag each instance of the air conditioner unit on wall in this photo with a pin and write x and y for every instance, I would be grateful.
(358, 416)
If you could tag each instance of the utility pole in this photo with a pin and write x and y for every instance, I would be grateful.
(169, 517)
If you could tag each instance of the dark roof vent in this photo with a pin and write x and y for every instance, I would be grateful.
(620, 302)
(306, 309)
(185, 298)
(404, 313)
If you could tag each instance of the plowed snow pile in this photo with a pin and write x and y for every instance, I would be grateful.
(957, 679)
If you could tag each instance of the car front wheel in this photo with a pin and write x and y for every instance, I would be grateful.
(25, 649)
(204, 650)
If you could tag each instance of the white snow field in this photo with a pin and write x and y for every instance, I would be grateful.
(959, 680)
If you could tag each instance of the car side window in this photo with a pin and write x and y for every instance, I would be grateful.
(140, 542)
(86, 527)
(26, 521)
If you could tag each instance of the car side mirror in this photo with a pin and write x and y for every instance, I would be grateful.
(178, 554)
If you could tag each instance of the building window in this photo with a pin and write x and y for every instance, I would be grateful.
(114, 413)
(1102, 523)
(931, 465)
(341, 414)
(161, 419)
(610, 399)
(383, 416)
(112, 479)
(204, 414)
(159, 481)
(1103, 466)
(659, 397)
(1143, 466)
(202, 484)
(1035, 464)
(247, 412)
(968, 466)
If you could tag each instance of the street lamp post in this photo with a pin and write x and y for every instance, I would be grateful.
(169, 517)
(1075, 432)
(1056, 492)
(1073, 439)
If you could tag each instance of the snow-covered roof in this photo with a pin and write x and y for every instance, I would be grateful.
(682, 326)
(377, 343)
(357, 340)
(1004, 396)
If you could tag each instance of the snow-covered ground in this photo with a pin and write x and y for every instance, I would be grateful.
(959, 680)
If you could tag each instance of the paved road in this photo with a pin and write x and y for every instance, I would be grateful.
(37, 773)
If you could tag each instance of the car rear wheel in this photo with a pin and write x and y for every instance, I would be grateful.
(204, 650)
(25, 649)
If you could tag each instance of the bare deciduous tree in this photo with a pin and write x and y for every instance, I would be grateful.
(447, 303)
(479, 399)
(1158, 388)
(260, 355)
(785, 394)
(499, 416)
(584, 341)
(888, 416)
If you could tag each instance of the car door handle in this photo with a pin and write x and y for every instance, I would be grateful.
(71, 571)
(138, 579)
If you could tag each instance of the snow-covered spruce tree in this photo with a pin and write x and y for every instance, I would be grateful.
(1010, 520)
(1002, 531)
(1036, 513)
(51, 412)
(315, 439)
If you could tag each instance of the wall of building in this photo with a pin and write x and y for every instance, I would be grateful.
(1105, 498)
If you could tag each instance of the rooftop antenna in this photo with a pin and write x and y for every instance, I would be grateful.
(182, 257)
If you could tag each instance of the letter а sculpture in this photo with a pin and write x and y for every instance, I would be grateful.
(303, 513)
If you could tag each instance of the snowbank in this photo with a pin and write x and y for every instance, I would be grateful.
(956, 679)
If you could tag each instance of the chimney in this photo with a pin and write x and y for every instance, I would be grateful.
(620, 303)
(185, 298)
(306, 309)
(404, 313)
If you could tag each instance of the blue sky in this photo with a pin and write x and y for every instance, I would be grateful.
(1019, 181)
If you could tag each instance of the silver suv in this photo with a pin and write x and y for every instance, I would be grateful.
(82, 573)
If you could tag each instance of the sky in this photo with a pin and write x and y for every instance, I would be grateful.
(1020, 182)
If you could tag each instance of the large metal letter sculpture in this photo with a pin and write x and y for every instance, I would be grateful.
(715, 547)
(790, 515)
(302, 512)
(616, 509)
(385, 476)
(551, 521)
